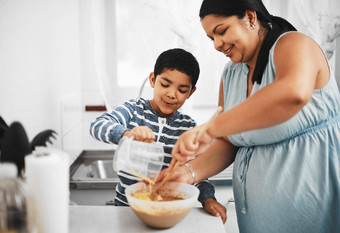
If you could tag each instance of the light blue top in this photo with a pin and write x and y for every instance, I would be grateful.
(286, 177)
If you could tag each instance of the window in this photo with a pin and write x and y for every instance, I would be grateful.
(145, 28)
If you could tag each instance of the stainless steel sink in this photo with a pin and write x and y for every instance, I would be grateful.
(93, 170)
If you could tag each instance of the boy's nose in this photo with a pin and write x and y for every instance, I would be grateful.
(171, 93)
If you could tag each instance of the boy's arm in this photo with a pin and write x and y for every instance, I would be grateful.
(207, 190)
(208, 200)
(109, 127)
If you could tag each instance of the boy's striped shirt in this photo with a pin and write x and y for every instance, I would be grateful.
(110, 127)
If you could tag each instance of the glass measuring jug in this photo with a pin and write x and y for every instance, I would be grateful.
(141, 159)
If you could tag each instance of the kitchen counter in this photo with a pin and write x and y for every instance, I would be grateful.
(89, 219)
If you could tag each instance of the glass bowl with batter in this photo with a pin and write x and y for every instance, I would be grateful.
(174, 202)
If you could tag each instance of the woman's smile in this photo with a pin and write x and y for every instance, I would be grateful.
(228, 51)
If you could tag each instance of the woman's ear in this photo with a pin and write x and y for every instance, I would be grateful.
(251, 17)
(152, 79)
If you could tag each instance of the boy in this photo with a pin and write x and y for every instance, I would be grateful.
(174, 78)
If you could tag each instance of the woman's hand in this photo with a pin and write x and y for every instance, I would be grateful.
(181, 174)
(140, 133)
(189, 146)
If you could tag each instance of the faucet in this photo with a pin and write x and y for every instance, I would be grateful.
(142, 86)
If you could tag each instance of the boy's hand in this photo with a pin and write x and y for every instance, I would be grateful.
(215, 208)
(141, 133)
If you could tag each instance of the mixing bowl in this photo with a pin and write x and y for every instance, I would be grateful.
(163, 214)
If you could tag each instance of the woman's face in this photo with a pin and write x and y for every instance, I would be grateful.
(232, 36)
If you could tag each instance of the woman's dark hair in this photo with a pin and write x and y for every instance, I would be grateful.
(276, 25)
(178, 59)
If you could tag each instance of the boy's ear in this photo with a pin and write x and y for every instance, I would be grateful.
(192, 92)
(152, 79)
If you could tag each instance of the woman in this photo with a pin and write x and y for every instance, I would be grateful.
(280, 124)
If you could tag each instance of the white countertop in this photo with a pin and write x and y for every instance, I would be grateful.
(89, 219)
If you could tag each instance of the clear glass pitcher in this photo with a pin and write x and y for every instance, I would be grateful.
(14, 210)
(139, 158)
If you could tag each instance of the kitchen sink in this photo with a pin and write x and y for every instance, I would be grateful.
(93, 170)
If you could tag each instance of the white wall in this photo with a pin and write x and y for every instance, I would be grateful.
(90, 88)
(39, 62)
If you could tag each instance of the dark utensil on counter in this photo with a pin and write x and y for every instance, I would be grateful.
(42, 138)
(3, 130)
(3, 127)
(15, 145)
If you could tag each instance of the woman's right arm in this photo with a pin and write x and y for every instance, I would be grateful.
(214, 160)
(211, 162)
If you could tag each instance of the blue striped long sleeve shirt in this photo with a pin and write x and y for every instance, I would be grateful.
(109, 128)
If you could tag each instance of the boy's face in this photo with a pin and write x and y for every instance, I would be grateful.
(171, 89)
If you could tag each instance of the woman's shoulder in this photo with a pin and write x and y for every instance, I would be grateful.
(296, 46)
(295, 40)
(293, 34)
